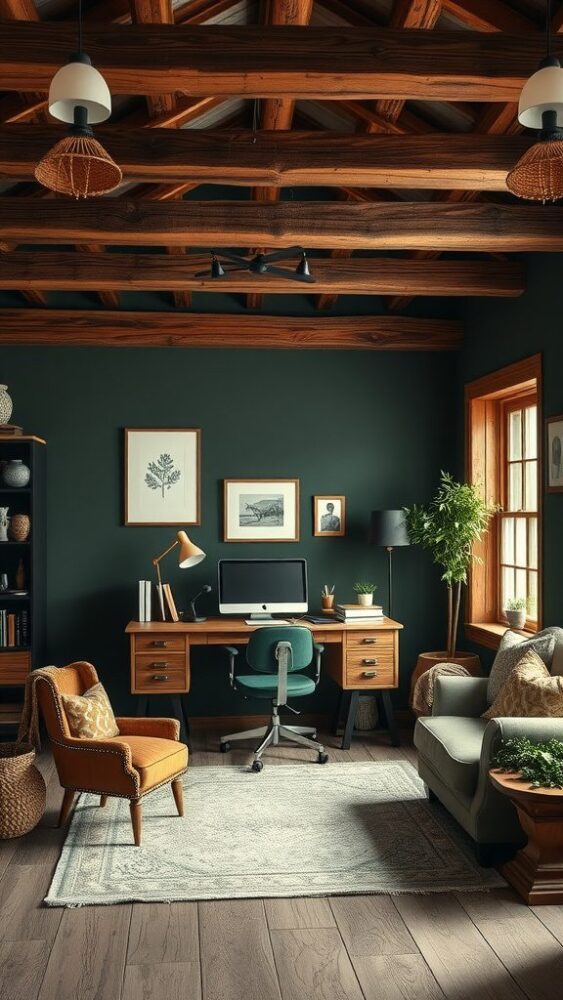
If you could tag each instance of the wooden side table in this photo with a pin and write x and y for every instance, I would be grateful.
(536, 872)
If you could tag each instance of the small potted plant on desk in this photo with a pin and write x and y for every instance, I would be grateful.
(327, 598)
(455, 519)
(364, 592)
(516, 611)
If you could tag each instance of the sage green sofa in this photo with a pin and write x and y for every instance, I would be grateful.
(455, 748)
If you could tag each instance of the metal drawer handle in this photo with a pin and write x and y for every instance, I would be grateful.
(160, 677)
(370, 673)
(369, 642)
(162, 664)
(159, 644)
(369, 662)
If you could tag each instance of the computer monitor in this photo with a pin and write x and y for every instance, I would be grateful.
(260, 587)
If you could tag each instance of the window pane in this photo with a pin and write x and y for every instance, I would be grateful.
(515, 435)
(531, 486)
(533, 596)
(531, 432)
(507, 540)
(521, 583)
(533, 543)
(515, 487)
(521, 541)
(507, 585)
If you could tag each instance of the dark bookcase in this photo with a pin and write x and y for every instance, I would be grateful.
(17, 660)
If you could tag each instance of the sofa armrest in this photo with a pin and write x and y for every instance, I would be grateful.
(463, 696)
(166, 729)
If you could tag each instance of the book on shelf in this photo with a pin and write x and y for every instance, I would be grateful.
(160, 593)
(14, 629)
(174, 616)
(145, 601)
(346, 611)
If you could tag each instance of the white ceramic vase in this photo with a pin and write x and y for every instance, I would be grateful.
(15, 474)
(6, 405)
(365, 600)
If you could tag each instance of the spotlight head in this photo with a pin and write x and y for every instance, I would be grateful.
(303, 266)
(217, 270)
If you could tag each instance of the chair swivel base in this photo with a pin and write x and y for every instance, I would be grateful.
(271, 736)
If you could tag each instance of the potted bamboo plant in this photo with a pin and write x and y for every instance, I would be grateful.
(455, 519)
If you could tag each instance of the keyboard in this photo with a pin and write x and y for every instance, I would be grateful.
(268, 621)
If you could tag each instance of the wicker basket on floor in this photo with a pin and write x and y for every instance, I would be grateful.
(22, 790)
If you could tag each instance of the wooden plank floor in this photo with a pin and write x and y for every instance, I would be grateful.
(466, 946)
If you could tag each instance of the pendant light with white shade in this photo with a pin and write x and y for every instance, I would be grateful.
(538, 175)
(79, 165)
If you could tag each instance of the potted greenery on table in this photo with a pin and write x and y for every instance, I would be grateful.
(516, 610)
(455, 519)
(364, 592)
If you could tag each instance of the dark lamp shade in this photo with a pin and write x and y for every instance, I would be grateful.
(388, 528)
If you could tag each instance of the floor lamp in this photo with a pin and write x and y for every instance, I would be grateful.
(388, 529)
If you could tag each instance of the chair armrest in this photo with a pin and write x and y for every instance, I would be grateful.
(462, 696)
(101, 766)
(318, 650)
(166, 729)
(232, 653)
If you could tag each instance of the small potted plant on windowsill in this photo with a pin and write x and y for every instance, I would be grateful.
(364, 592)
(516, 612)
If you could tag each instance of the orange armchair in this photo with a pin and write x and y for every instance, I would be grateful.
(145, 755)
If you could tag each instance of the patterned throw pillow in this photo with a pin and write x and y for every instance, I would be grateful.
(510, 652)
(529, 692)
(90, 715)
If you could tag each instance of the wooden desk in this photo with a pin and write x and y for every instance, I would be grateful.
(359, 658)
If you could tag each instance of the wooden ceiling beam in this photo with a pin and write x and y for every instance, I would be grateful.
(488, 15)
(284, 159)
(278, 61)
(74, 328)
(408, 14)
(403, 225)
(65, 271)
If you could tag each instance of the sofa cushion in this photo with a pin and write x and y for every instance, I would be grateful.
(511, 650)
(557, 661)
(90, 715)
(157, 760)
(451, 745)
(530, 692)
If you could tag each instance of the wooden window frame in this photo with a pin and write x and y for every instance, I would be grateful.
(485, 433)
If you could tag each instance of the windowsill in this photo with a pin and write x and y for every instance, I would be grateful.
(489, 634)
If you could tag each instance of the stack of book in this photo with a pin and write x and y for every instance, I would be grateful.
(14, 628)
(145, 593)
(353, 613)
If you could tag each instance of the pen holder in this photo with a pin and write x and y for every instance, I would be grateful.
(327, 602)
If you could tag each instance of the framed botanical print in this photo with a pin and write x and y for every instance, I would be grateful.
(329, 516)
(261, 510)
(162, 476)
(554, 457)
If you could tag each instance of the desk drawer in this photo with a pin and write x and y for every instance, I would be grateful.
(370, 675)
(160, 660)
(161, 681)
(154, 642)
(14, 667)
(370, 640)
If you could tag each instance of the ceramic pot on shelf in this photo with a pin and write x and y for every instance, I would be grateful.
(365, 600)
(6, 405)
(20, 526)
(516, 619)
(15, 474)
(327, 602)
(4, 519)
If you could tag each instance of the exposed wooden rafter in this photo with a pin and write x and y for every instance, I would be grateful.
(168, 329)
(278, 61)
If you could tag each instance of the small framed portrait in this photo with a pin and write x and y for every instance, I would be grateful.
(162, 476)
(261, 510)
(554, 456)
(329, 517)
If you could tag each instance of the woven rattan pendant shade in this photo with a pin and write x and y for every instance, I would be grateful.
(79, 166)
(538, 175)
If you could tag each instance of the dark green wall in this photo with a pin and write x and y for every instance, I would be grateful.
(375, 427)
(499, 332)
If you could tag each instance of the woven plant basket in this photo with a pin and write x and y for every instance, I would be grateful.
(538, 175)
(366, 715)
(22, 790)
(78, 166)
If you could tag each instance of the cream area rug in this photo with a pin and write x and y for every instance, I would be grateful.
(293, 830)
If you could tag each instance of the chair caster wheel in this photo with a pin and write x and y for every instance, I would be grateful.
(323, 757)
(257, 766)
(224, 747)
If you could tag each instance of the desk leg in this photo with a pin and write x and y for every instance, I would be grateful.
(350, 720)
(337, 712)
(142, 706)
(179, 712)
(390, 719)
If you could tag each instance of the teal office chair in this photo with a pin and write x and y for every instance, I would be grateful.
(276, 655)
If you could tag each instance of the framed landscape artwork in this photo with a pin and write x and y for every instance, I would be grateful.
(554, 457)
(329, 516)
(162, 476)
(261, 510)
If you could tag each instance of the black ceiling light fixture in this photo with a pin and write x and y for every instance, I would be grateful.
(260, 263)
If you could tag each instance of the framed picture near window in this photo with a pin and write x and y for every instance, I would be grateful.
(329, 516)
(261, 510)
(554, 456)
(162, 476)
